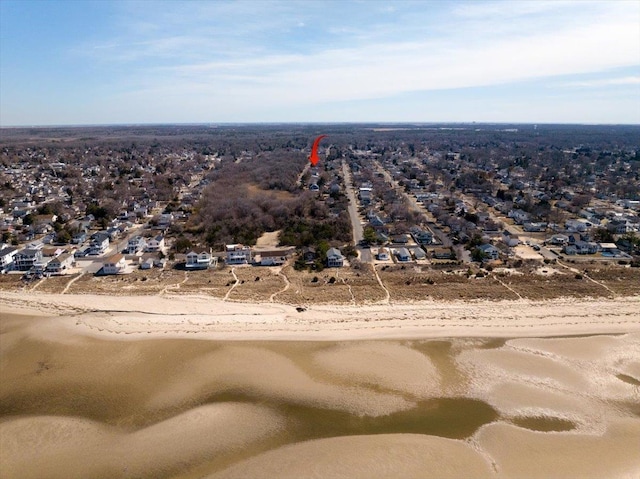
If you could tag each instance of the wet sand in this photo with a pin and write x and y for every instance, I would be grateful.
(77, 402)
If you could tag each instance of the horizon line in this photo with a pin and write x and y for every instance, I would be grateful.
(267, 123)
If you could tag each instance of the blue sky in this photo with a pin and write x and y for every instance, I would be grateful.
(105, 62)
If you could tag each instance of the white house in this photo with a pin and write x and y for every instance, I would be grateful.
(238, 254)
(383, 254)
(270, 258)
(199, 258)
(7, 258)
(335, 258)
(99, 244)
(60, 263)
(135, 245)
(154, 244)
(114, 264)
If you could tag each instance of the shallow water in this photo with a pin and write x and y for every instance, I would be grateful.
(455, 418)
(544, 424)
(117, 383)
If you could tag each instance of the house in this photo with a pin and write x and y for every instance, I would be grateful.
(400, 239)
(309, 254)
(576, 226)
(165, 220)
(60, 263)
(135, 245)
(534, 227)
(422, 237)
(559, 239)
(238, 254)
(154, 244)
(115, 264)
(271, 258)
(383, 254)
(510, 241)
(334, 258)
(403, 255)
(586, 247)
(79, 238)
(99, 244)
(27, 259)
(519, 216)
(442, 253)
(7, 258)
(365, 196)
(418, 253)
(199, 258)
(147, 263)
(490, 252)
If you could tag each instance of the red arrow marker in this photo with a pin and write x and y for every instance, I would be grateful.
(314, 158)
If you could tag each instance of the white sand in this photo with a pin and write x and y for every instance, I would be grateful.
(138, 317)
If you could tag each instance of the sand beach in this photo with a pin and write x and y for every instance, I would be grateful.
(189, 386)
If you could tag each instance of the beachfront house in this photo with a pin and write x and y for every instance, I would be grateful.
(200, 258)
(238, 254)
(27, 259)
(334, 258)
(7, 258)
(60, 263)
(271, 258)
(114, 264)
(442, 253)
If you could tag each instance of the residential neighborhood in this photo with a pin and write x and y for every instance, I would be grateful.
(427, 198)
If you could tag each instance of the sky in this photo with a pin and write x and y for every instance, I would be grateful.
(132, 62)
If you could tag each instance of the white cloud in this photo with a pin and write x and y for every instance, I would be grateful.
(602, 82)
